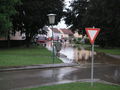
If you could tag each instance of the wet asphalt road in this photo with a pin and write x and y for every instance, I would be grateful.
(11, 80)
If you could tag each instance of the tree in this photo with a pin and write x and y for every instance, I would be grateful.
(101, 14)
(75, 14)
(33, 15)
(7, 9)
(105, 15)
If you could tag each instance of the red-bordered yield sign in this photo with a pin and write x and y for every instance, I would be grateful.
(92, 33)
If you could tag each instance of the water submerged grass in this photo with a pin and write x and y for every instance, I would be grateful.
(78, 86)
(26, 56)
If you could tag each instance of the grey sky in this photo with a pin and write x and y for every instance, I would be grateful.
(62, 24)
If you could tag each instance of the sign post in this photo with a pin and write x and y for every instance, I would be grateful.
(92, 34)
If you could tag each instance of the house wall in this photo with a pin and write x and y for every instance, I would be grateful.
(59, 34)
(56, 35)
(76, 35)
(17, 36)
(65, 36)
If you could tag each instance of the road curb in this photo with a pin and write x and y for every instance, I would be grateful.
(41, 66)
(44, 66)
(114, 56)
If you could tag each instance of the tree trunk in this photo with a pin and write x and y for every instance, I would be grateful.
(27, 40)
(8, 39)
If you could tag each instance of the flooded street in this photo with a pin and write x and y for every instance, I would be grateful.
(69, 54)
(39, 77)
(104, 69)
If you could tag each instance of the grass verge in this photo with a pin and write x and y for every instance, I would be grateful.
(110, 51)
(114, 51)
(26, 56)
(78, 86)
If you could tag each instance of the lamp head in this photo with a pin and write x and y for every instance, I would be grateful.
(51, 18)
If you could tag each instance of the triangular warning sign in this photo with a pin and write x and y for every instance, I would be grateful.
(92, 33)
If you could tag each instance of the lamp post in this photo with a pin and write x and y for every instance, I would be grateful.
(52, 21)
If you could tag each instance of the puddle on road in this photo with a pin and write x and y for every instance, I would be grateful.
(69, 54)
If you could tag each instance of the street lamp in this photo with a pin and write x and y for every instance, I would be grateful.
(52, 21)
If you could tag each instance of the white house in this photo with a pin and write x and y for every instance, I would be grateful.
(58, 33)
(76, 35)
(66, 33)
(16, 36)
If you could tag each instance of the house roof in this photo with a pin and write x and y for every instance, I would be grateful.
(67, 31)
(55, 30)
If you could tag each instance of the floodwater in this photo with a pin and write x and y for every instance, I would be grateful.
(12, 80)
(69, 54)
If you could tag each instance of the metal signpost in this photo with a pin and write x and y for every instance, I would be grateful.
(92, 34)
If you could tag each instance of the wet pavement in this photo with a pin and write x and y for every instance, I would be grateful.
(10, 80)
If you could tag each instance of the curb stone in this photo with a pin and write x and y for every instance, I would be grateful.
(41, 66)
(44, 66)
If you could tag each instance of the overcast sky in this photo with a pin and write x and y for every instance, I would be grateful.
(62, 24)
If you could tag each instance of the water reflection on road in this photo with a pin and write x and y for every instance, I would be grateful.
(38, 77)
(69, 54)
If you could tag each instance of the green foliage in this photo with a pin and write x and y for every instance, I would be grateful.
(77, 40)
(33, 15)
(87, 41)
(105, 15)
(75, 15)
(5, 24)
(101, 14)
(7, 9)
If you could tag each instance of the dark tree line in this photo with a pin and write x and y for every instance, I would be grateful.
(102, 14)
(27, 16)
(7, 10)
(33, 15)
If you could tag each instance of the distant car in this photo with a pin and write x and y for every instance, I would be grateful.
(41, 40)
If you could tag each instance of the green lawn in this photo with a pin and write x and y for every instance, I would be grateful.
(115, 51)
(78, 86)
(26, 56)
(111, 51)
